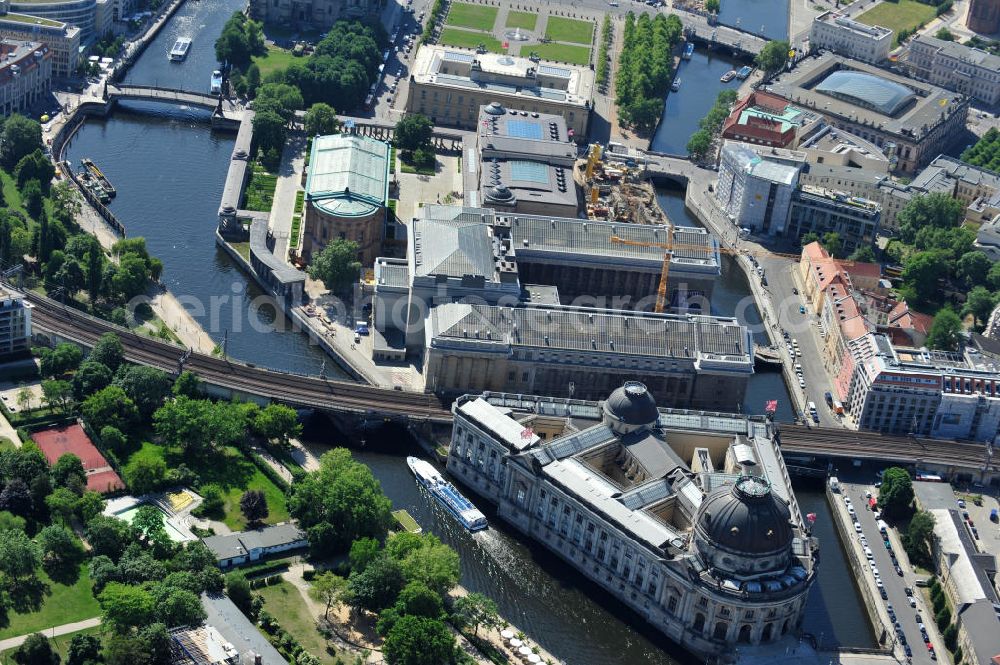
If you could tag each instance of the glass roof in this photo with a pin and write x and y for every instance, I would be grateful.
(867, 90)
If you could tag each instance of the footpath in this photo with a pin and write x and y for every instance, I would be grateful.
(65, 629)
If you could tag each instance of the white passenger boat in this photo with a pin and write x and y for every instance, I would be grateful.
(447, 494)
(180, 49)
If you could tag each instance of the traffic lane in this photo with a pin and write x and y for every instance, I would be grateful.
(786, 303)
(895, 586)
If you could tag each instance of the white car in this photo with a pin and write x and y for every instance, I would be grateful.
(913, 601)
(863, 540)
(857, 527)
(802, 383)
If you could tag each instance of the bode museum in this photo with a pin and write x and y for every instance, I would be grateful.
(687, 517)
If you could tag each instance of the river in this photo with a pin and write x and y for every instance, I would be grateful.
(768, 18)
(169, 170)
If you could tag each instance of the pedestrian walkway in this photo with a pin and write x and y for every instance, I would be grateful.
(289, 183)
(65, 629)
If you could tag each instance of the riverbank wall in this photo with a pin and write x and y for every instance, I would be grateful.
(138, 47)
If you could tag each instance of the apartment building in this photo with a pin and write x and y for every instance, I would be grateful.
(970, 71)
(25, 74)
(835, 32)
(15, 323)
(62, 39)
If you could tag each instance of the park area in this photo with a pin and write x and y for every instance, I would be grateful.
(560, 29)
(898, 16)
(65, 601)
(469, 39)
(523, 20)
(276, 59)
(477, 17)
(576, 55)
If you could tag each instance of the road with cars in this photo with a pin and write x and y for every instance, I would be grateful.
(895, 581)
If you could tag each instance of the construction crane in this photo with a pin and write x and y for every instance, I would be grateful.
(670, 247)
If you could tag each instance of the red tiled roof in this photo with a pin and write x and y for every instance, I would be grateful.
(871, 270)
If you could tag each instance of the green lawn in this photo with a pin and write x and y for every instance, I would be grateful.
(260, 189)
(477, 17)
(577, 55)
(63, 604)
(284, 602)
(276, 58)
(468, 39)
(523, 20)
(60, 644)
(902, 15)
(561, 29)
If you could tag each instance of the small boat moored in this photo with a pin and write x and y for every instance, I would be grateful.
(98, 175)
(744, 72)
(728, 76)
(676, 85)
(180, 49)
(447, 495)
(688, 51)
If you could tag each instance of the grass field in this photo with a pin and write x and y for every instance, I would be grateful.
(276, 58)
(64, 604)
(477, 17)
(260, 189)
(468, 39)
(577, 55)
(902, 15)
(560, 29)
(523, 20)
(284, 602)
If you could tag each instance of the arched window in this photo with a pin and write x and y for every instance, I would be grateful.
(699, 623)
(721, 628)
(745, 633)
(784, 627)
(768, 630)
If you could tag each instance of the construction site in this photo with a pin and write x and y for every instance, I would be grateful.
(616, 189)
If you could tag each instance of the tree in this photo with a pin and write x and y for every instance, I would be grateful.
(416, 598)
(936, 210)
(434, 563)
(699, 144)
(238, 590)
(61, 550)
(11, 522)
(145, 474)
(109, 536)
(36, 650)
(377, 586)
(126, 606)
(62, 503)
(973, 268)
(21, 136)
(19, 555)
(413, 132)
(337, 265)
(113, 439)
(89, 505)
(363, 552)
(68, 471)
(187, 423)
(919, 537)
(343, 495)
(773, 56)
(321, 119)
(187, 384)
(35, 166)
(980, 303)
(84, 649)
(89, 378)
(645, 113)
(477, 610)
(108, 351)
(148, 521)
(241, 39)
(896, 493)
(416, 640)
(863, 254)
(944, 34)
(712, 6)
(64, 358)
(110, 406)
(277, 422)
(95, 271)
(253, 505)
(31, 196)
(269, 129)
(146, 386)
(24, 397)
(832, 243)
(921, 273)
(16, 498)
(329, 589)
(946, 331)
(177, 607)
(57, 395)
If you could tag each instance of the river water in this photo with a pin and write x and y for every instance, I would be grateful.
(169, 168)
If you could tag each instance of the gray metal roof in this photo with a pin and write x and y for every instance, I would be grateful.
(226, 546)
(348, 174)
(454, 249)
(582, 329)
(272, 536)
(222, 614)
(974, 56)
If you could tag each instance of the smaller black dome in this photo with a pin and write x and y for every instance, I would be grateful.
(631, 405)
(494, 108)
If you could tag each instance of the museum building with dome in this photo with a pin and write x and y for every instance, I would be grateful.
(687, 517)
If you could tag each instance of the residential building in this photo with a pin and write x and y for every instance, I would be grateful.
(688, 361)
(15, 322)
(687, 518)
(81, 13)
(820, 210)
(62, 39)
(912, 122)
(988, 236)
(969, 184)
(756, 193)
(122, 9)
(525, 163)
(970, 71)
(450, 85)
(984, 16)
(347, 190)
(316, 15)
(239, 547)
(764, 119)
(104, 18)
(836, 32)
(25, 74)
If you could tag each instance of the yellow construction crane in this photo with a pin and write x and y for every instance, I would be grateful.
(593, 159)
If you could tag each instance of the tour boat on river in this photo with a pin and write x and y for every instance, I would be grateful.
(180, 49)
(447, 495)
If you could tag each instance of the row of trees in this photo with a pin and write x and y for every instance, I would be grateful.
(701, 141)
(986, 151)
(645, 68)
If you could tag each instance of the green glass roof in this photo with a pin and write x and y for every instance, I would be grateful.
(348, 175)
